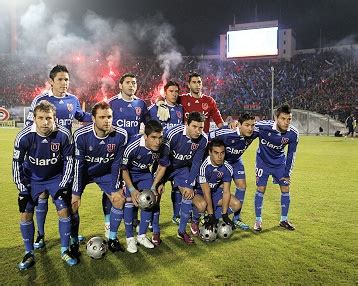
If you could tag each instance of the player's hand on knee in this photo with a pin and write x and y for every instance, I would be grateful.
(135, 197)
(117, 198)
(75, 203)
(22, 200)
(188, 194)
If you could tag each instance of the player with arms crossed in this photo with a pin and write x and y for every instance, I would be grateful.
(98, 154)
(129, 112)
(68, 108)
(173, 115)
(236, 142)
(215, 182)
(42, 163)
(271, 160)
(182, 156)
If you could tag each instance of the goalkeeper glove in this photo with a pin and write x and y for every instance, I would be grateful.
(163, 111)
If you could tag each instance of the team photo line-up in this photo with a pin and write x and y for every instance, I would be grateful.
(131, 164)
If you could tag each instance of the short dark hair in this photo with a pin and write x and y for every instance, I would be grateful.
(128, 74)
(152, 126)
(194, 74)
(195, 116)
(45, 106)
(56, 69)
(215, 142)
(171, 83)
(285, 108)
(100, 105)
(246, 116)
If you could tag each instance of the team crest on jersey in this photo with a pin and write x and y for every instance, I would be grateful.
(220, 174)
(284, 140)
(55, 147)
(205, 106)
(69, 107)
(179, 115)
(155, 156)
(138, 110)
(111, 147)
(194, 146)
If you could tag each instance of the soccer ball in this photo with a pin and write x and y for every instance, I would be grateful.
(146, 200)
(208, 235)
(96, 247)
(224, 230)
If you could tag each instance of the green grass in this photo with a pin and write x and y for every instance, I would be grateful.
(323, 249)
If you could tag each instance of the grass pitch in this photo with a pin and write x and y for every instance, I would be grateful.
(322, 249)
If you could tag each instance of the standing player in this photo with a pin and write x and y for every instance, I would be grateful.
(170, 114)
(42, 163)
(215, 181)
(271, 160)
(140, 155)
(98, 154)
(236, 142)
(183, 153)
(195, 100)
(128, 113)
(67, 109)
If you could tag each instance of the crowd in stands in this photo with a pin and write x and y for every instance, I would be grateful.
(325, 82)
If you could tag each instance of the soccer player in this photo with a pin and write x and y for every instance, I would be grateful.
(182, 156)
(42, 162)
(98, 154)
(271, 160)
(170, 113)
(350, 124)
(195, 100)
(139, 156)
(128, 113)
(215, 181)
(67, 109)
(236, 142)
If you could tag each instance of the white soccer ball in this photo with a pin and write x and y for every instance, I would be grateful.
(96, 247)
(224, 230)
(208, 235)
(146, 200)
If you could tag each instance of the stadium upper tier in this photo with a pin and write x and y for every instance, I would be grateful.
(325, 82)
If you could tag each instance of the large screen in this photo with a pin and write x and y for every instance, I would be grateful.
(252, 43)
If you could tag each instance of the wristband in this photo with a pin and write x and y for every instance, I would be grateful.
(131, 189)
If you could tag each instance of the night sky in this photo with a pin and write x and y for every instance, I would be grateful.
(198, 24)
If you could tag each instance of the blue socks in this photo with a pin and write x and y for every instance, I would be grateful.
(115, 220)
(64, 226)
(41, 212)
(259, 197)
(128, 219)
(240, 195)
(27, 229)
(285, 205)
(185, 210)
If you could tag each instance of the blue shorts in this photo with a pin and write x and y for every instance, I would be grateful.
(104, 182)
(50, 187)
(263, 171)
(142, 182)
(238, 170)
(216, 196)
(179, 177)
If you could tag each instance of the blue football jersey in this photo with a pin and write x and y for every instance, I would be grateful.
(137, 158)
(68, 108)
(176, 115)
(128, 114)
(235, 144)
(96, 156)
(42, 158)
(214, 175)
(182, 151)
(273, 142)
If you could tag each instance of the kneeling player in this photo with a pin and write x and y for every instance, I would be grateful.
(215, 181)
(42, 163)
(139, 156)
(98, 154)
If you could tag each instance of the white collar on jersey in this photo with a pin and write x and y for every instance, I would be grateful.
(50, 93)
(95, 135)
(274, 126)
(168, 104)
(201, 95)
(238, 131)
(119, 96)
(184, 130)
(142, 143)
